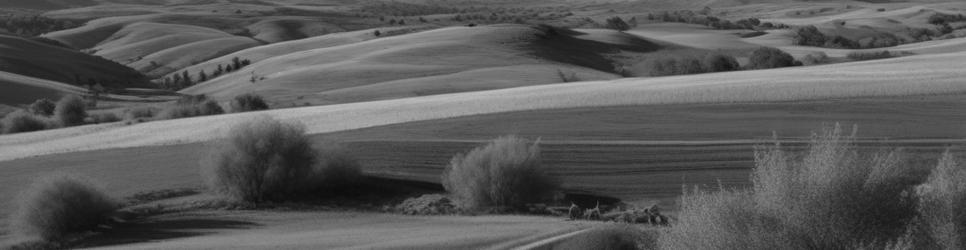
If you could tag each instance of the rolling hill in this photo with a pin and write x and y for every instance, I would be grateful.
(34, 59)
(431, 62)
(907, 76)
(21, 90)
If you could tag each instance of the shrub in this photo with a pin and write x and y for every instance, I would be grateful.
(248, 102)
(140, 113)
(505, 173)
(57, 205)
(864, 56)
(768, 58)
(815, 58)
(693, 64)
(70, 111)
(204, 108)
(427, 204)
(21, 121)
(267, 160)
(44, 107)
(830, 197)
(942, 208)
(618, 24)
(104, 117)
(715, 62)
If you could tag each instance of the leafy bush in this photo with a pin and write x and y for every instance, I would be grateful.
(505, 173)
(70, 111)
(618, 24)
(715, 62)
(768, 58)
(140, 113)
(815, 58)
(693, 64)
(44, 107)
(830, 197)
(248, 102)
(267, 160)
(104, 117)
(57, 205)
(21, 121)
(204, 108)
(942, 208)
(864, 56)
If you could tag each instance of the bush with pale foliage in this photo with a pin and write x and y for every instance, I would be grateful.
(268, 160)
(832, 196)
(58, 205)
(22, 121)
(505, 173)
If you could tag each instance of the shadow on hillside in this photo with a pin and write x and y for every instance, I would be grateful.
(562, 45)
(161, 229)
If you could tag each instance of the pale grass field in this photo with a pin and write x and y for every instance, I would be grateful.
(259, 53)
(915, 75)
(442, 53)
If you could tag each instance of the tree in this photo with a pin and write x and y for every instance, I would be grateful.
(186, 78)
(202, 77)
(616, 23)
(377, 33)
(236, 63)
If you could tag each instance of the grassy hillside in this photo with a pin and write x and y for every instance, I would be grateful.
(158, 49)
(29, 58)
(444, 60)
(259, 53)
(20, 90)
(907, 76)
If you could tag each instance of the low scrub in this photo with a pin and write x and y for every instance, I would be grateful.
(831, 196)
(58, 205)
(248, 102)
(865, 56)
(21, 121)
(103, 117)
(816, 58)
(139, 113)
(429, 204)
(44, 107)
(185, 110)
(505, 173)
(267, 160)
(941, 222)
(769, 58)
(70, 111)
(693, 64)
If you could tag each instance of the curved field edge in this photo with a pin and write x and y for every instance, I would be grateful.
(915, 75)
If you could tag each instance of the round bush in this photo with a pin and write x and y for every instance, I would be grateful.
(44, 107)
(262, 160)
(719, 63)
(506, 173)
(768, 58)
(60, 204)
(20, 121)
(248, 102)
(70, 111)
